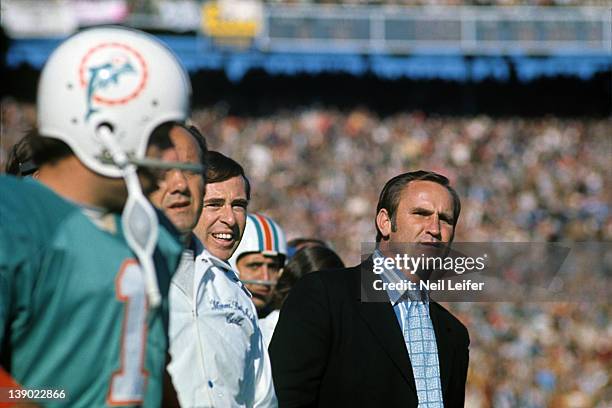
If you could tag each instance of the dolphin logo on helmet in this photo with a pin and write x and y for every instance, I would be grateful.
(103, 67)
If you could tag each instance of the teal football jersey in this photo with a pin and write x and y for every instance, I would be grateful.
(73, 308)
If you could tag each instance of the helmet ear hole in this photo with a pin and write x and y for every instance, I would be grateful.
(106, 125)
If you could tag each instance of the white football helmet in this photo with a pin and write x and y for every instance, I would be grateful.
(261, 234)
(103, 91)
(111, 77)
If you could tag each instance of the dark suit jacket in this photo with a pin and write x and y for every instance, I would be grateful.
(330, 349)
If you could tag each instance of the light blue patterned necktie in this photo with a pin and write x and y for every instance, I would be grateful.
(421, 343)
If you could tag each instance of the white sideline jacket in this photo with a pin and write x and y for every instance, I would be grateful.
(218, 357)
(267, 326)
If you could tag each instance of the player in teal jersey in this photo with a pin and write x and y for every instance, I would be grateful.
(73, 300)
(84, 264)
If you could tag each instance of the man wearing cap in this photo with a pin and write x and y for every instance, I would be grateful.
(259, 259)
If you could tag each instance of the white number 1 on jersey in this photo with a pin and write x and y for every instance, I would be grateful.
(128, 383)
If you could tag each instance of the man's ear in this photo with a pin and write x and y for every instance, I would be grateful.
(383, 222)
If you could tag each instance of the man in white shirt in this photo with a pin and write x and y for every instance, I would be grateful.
(217, 354)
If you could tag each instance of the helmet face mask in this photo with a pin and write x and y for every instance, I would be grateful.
(121, 79)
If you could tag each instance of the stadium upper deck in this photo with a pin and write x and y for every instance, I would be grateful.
(451, 43)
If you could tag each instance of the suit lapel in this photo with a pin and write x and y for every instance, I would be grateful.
(445, 346)
(380, 317)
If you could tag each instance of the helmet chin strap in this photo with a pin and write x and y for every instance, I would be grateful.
(139, 220)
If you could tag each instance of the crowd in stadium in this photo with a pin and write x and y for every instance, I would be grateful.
(520, 179)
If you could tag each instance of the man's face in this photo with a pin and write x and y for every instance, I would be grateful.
(180, 193)
(114, 189)
(223, 218)
(256, 266)
(424, 215)
(149, 177)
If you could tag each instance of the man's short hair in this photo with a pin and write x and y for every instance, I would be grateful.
(201, 140)
(297, 244)
(47, 150)
(221, 168)
(390, 194)
(160, 137)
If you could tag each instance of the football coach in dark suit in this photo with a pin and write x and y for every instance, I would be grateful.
(335, 345)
